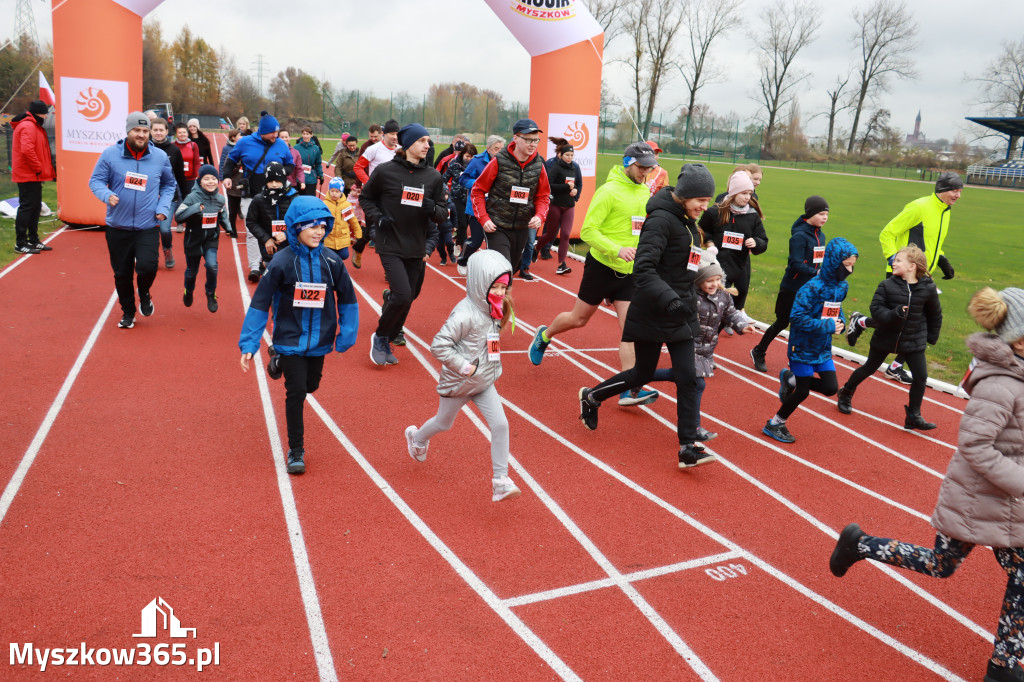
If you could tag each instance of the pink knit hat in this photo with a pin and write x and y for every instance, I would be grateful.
(740, 182)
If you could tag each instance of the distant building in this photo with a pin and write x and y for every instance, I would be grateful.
(917, 139)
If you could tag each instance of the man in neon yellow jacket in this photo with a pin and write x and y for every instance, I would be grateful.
(923, 222)
(612, 229)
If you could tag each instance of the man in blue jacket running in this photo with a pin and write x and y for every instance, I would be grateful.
(134, 179)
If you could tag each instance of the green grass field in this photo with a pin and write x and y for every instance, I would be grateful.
(983, 244)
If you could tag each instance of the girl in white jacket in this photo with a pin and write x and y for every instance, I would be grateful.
(468, 347)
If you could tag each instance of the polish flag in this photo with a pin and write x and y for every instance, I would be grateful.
(45, 93)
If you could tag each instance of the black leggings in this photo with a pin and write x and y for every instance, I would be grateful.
(301, 376)
(825, 383)
(918, 369)
(685, 374)
(476, 238)
(783, 308)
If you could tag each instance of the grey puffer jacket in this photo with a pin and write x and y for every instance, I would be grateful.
(982, 497)
(716, 312)
(463, 338)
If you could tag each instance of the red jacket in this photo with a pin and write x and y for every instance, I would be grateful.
(30, 152)
(191, 158)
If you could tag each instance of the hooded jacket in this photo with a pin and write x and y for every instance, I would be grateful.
(660, 275)
(202, 225)
(311, 158)
(473, 170)
(910, 331)
(135, 210)
(248, 152)
(735, 262)
(346, 225)
(608, 225)
(31, 160)
(403, 229)
(303, 331)
(923, 222)
(810, 340)
(463, 338)
(982, 496)
(800, 268)
(715, 312)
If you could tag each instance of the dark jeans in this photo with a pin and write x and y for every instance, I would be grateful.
(192, 270)
(405, 279)
(130, 250)
(445, 243)
(825, 384)
(684, 372)
(301, 376)
(783, 308)
(701, 385)
(234, 211)
(943, 561)
(510, 244)
(26, 224)
(476, 238)
(918, 369)
(460, 227)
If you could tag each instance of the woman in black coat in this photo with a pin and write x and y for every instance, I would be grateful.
(663, 310)
(907, 318)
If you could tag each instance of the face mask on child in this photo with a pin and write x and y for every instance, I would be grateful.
(496, 300)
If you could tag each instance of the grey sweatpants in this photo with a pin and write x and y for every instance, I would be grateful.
(252, 247)
(489, 404)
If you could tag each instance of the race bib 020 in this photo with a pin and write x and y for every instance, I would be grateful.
(519, 195)
(210, 221)
(732, 240)
(309, 295)
(135, 181)
(412, 196)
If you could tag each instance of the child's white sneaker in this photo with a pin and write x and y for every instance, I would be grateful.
(417, 452)
(504, 489)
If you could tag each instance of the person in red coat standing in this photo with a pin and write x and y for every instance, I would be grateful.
(31, 166)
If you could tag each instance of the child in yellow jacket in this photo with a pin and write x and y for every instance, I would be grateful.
(346, 226)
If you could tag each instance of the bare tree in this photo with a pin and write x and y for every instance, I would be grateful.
(876, 129)
(885, 34)
(706, 20)
(836, 104)
(1002, 85)
(785, 28)
(651, 26)
(608, 13)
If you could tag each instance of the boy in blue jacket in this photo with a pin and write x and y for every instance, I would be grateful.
(303, 284)
(817, 315)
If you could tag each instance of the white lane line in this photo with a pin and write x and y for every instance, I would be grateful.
(461, 569)
(19, 261)
(51, 415)
(580, 588)
(307, 585)
(881, 636)
(832, 400)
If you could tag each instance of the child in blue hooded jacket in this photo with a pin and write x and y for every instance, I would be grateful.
(817, 315)
(315, 310)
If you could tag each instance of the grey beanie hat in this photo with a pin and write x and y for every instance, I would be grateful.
(1012, 327)
(948, 181)
(694, 181)
(708, 271)
(136, 119)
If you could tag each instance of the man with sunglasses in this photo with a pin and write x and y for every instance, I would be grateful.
(512, 194)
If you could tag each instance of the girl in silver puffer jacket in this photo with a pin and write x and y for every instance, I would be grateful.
(981, 501)
(468, 347)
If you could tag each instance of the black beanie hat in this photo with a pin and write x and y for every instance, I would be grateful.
(948, 181)
(391, 126)
(814, 205)
(38, 108)
(275, 171)
(694, 181)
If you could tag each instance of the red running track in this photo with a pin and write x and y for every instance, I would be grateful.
(143, 463)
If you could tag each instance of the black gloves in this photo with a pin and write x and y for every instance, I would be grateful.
(676, 308)
(386, 222)
(946, 267)
(429, 205)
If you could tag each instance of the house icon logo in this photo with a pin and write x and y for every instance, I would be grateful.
(151, 623)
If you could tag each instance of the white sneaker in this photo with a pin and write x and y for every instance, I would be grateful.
(463, 270)
(458, 250)
(417, 452)
(504, 489)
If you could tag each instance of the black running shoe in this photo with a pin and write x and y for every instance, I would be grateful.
(779, 432)
(295, 463)
(127, 321)
(757, 355)
(854, 330)
(588, 409)
(845, 554)
(693, 455)
(145, 304)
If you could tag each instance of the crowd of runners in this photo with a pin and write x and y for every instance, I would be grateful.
(672, 259)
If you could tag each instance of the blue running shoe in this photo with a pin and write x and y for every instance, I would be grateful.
(779, 432)
(637, 397)
(538, 346)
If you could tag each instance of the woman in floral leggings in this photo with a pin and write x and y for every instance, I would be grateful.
(981, 501)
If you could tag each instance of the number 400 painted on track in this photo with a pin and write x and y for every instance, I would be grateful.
(721, 573)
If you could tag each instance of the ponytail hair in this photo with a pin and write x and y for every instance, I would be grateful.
(507, 312)
(987, 308)
(560, 144)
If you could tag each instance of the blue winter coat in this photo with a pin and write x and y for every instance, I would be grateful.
(249, 150)
(801, 268)
(303, 331)
(135, 210)
(473, 170)
(810, 338)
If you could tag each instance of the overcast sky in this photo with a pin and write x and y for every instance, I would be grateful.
(348, 44)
